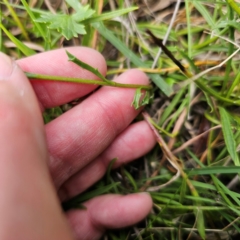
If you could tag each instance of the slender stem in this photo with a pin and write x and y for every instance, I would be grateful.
(189, 207)
(167, 33)
(16, 19)
(212, 92)
(210, 40)
(34, 76)
(234, 84)
(31, 14)
(84, 65)
(193, 77)
(230, 51)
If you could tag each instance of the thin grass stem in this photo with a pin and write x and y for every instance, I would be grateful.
(34, 76)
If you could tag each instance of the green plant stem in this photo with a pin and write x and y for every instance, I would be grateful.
(31, 14)
(21, 46)
(17, 20)
(230, 50)
(188, 28)
(210, 40)
(234, 6)
(84, 65)
(234, 84)
(33, 76)
(107, 34)
(220, 191)
(203, 208)
(215, 94)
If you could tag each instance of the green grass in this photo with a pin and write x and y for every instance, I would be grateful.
(204, 200)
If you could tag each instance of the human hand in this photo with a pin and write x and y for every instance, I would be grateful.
(80, 143)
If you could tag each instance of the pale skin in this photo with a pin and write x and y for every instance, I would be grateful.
(40, 166)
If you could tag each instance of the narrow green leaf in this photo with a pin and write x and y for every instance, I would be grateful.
(221, 191)
(228, 23)
(31, 14)
(109, 15)
(16, 19)
(234, 6)
(204, 12)
(213, 170)
(209, 102)
(21, 46)
(233, 85)
(189, 60)
(172, 106)
(178, 112)
(183, 191)
(200, 223)
(96, 192)
(84, 65)
(110, 165)
(228, 135)
(156, 78)
(228, 192)
(148, 97)
(165, 200)
(136, 99)
(131, 180)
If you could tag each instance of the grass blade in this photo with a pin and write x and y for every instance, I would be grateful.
(228, 135)
(16, 19)
(214, 170)
(132, 56)
(21, 46)
(109, 15)
(74, 202)
(84, 65)
(38, 26)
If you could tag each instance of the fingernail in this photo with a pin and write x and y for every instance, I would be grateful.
(6, 66)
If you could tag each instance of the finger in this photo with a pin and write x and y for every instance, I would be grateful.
(27, 199)
(81, 134)
(53, 93)
(131, 144)
(109, 211)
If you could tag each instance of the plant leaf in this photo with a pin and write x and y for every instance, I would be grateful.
(32, 16)
(76, 201)
(136, 99)
(200, 222)
(75, 4)
(68, 25)
(228, 135)
(65, 24)
(83, 13)
(147, 98)
(213, 170)
(107, 34)
(109, 15)
(21, 46)
(84, 65)
(138, 102)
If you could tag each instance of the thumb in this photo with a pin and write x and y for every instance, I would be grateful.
(28, 201)
(21, 123)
